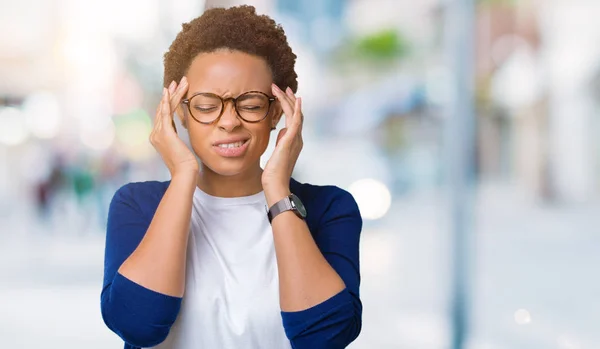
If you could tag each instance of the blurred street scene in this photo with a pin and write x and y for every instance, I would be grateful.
(80, 80)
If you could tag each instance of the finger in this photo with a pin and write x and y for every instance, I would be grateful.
(299, 116)
(296, 122)
(293, 99)
(290, 100)
(290, 94)
(179, 93)
(158, 115)
(166, 115)
(285, 103)
(282, 96)
(172, 87)
(292, 131)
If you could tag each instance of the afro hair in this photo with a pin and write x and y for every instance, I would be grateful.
(237, 28)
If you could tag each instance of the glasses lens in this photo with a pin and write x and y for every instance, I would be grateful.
(205, 107)
(252, 106)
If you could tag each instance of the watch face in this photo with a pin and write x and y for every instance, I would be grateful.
(298, 205)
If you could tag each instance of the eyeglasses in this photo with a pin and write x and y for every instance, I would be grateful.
(206, 108)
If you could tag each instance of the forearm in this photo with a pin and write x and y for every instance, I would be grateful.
(158, 263)
(305, 277)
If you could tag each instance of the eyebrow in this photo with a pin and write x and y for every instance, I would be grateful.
(191, 94)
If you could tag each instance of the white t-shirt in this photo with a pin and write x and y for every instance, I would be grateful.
(231, 296)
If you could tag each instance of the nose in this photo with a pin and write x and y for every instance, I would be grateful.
(229, 120)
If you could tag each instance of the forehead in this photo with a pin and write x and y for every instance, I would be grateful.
(226, 72)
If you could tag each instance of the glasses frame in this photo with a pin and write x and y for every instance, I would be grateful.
(223, 100)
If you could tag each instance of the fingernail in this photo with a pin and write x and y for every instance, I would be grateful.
(288, 90)
(183, 80)
(172, 86)
(164, 91)
(276, 87)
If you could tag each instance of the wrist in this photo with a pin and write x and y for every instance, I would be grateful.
(185, 177)
(274, 195)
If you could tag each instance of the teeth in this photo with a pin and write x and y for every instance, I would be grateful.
(231, 145)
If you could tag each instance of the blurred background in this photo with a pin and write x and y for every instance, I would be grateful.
(518, 202)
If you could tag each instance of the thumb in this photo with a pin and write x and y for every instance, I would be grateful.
(280, 135)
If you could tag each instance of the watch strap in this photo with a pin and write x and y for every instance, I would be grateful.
(280, 206)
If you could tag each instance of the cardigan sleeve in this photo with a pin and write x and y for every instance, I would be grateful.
(336, 322)
(140, 316)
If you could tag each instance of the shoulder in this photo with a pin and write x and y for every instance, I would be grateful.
(142, 196)
(322, 195)
(325, 202)
(142, 190)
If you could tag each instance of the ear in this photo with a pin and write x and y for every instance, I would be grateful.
(182, 115)
(277, 113)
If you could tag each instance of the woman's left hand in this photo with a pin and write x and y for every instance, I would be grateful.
(278, 171)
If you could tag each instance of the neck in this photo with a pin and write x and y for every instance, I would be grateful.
(243, 184)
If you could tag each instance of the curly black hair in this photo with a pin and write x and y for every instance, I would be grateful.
(237, 28)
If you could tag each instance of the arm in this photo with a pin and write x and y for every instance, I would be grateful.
(141, 300)
(158, 263)
(319, 278)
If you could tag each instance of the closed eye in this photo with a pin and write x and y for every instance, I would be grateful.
(251, 107)
(205, 109)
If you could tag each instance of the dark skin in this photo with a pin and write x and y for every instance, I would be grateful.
(228, 75)
(305, 277)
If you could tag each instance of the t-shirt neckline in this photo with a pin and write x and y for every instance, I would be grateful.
(222, 201)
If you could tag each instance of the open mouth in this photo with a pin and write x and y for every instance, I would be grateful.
(232, 145)
(231, 150)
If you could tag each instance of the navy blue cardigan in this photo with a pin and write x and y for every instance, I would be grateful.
(143, 318)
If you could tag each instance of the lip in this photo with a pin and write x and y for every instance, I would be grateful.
(230, 140)
(231, 152)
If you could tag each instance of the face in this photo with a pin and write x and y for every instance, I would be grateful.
(229, 74)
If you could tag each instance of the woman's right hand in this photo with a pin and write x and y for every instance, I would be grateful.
(175, 154)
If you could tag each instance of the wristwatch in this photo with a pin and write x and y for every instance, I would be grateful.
(289, 203)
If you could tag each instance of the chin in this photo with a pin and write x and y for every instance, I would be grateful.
(229, 167)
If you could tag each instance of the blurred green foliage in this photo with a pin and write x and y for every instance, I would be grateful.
(383, 45)
(377, 50)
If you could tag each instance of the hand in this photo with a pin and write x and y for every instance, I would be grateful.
(175, 154)
(279, 168)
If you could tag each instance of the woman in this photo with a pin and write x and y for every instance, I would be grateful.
(198, 262)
